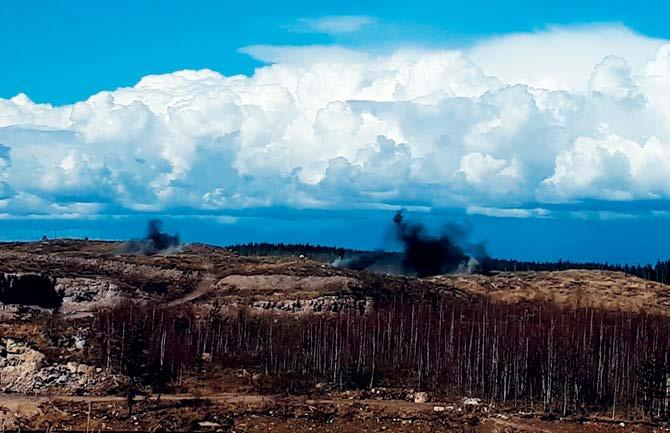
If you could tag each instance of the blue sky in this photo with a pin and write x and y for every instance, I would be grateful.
(64, 51)
(543, 126)
(612, 241)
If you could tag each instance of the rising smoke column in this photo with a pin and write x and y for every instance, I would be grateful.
(423, 255)
(156, 241)
(426, 255)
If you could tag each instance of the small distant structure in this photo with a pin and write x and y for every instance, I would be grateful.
(44, 238)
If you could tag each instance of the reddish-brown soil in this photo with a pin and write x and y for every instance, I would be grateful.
(253, 413)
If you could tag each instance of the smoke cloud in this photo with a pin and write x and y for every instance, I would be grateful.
(426, 255)
(155, 242)
(423, 254)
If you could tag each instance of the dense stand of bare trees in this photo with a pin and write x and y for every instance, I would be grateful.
(564, 360)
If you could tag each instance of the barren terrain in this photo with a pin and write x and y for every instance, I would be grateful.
(52, 376)
(614, 291)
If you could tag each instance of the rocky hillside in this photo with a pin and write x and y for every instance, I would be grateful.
(198, 317)
(92, 274)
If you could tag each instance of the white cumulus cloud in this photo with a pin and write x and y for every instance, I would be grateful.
(496, 129)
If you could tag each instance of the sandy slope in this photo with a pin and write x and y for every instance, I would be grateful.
(575, 288)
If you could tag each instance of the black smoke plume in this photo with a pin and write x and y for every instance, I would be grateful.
(155, 242)
(427, 255)
(423, 254)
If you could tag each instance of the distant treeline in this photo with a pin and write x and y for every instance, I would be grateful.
(659, 272)
(314, 252)
(566, 361)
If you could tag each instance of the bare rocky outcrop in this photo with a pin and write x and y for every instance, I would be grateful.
(25, 370)
(313, 292)
(89, 274)
(19, 365)
(323, 304)
(88, 294)
(124, 270)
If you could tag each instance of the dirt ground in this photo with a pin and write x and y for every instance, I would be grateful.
(613, 291)
(253, 413)
(203, 278)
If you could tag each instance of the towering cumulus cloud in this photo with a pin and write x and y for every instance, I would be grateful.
(333, 128)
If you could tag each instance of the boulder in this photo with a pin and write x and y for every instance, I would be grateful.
(208, 425)
(19, 365)
(72, 366)
(421, 397)
(86, 370)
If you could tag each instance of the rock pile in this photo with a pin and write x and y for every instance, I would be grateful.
(18, 366)
(322, 304)
(24, 370)
(87, 294)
